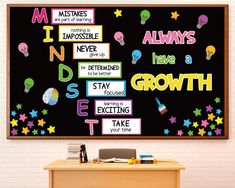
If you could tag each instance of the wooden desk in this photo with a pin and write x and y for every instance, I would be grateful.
(66, 174)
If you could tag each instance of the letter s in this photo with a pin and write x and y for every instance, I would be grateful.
(190, 37)
(74, 92)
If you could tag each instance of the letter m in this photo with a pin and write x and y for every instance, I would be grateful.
(39, 16)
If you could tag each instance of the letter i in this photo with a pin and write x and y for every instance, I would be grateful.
(48, 29)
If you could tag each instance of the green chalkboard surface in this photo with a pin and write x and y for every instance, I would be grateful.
(117, 71)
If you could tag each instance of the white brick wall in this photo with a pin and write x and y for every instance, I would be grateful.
(210, 163)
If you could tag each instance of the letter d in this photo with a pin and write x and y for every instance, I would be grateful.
(63, 68)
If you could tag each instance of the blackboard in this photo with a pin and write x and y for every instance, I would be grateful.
(117, 71)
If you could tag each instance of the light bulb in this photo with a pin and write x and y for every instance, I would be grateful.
(119, 37)
(136, 55)
(202, 20)
(23, 48)
(145, 15)
(28, 84)
(210, 51)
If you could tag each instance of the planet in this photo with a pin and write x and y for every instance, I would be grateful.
(50, 96)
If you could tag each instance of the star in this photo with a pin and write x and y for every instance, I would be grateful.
(187, 123)
(201, 132)
(209, 133)
(197, 112)
(41, 122)
(172, 119)
(190, 133)
(166, 131)
(218, 131)
(180, 132)
(25, 130)
(212, 126)
(211, 116)
(19, 106)
(204, 123)
(195, 124)
(118, 13)
(30, 124)
(35, 132)
(33, 113)
(14, 123)
(43, 132)
(23, 117)
(219, 120)
(51, 129)
(13, 113)
(209, 108)
(44, 112)
(174, 15)
(14, 132)
(217, 100)
(218, 111)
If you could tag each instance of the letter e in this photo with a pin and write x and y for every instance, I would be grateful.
(81, 107)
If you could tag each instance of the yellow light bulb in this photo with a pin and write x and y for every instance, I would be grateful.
(210, 51)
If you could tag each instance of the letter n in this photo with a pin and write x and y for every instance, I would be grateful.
(39, 16)
(53, 52)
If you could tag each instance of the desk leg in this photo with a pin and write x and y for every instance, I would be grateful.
(50, 178)
(178, 179)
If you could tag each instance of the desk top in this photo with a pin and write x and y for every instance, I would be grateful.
(73, 165)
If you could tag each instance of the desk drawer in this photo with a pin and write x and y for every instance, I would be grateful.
(115, 179)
